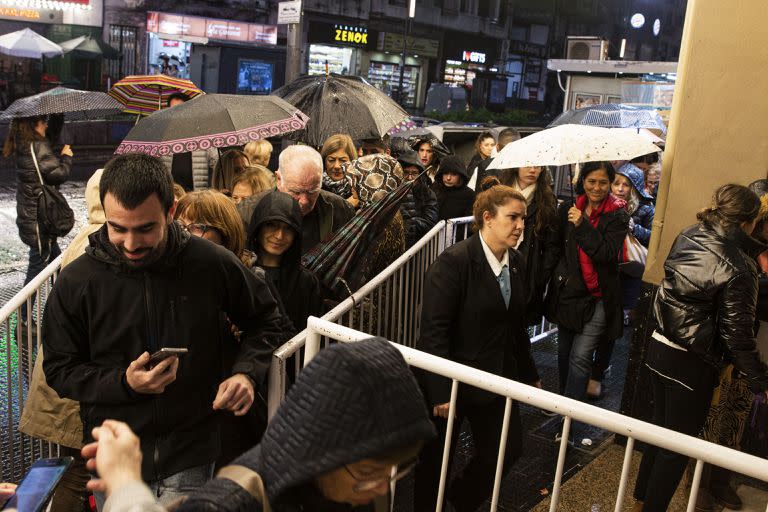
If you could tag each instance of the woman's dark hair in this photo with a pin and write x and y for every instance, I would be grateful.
(493, 195)
(731, 205)
(482, 137)
(22, 132)
(544, 197)
(590, 167)
(132, 178)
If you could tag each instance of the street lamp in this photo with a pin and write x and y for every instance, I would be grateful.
(408, 23)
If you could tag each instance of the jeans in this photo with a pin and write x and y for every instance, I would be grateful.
(36, 265)
(169, 489)
(682, 392)
(575, 353)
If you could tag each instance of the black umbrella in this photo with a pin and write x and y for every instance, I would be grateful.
(212, 121)
(341, 104)
(412, 142)
(73, 104)
(87, 47)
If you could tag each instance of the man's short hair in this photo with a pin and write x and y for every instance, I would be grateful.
(295, 158)
(176, 96)
(132, 178)
(382, 143)
(506, 136)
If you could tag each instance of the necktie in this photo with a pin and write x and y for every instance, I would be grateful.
(504, 284)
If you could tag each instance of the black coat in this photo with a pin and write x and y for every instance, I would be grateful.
(299, 288)
(706, 302)
(55, 171)
(420, 212)
(603, 245)
(102, 315)
(483, 172)
(541, 254)
(453, 202)
(464, 319)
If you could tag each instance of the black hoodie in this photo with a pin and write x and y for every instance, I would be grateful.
(298, 287)
(453, 201)
(102, 314)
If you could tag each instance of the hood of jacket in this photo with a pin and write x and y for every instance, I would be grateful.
(453, 164)
(353, 401)
(101, 249)
(636, 177)
(277, 206)
(93, 201)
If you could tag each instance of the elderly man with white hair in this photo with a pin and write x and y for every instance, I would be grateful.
(300, 174)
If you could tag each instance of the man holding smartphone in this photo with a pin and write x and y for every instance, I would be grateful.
(144, 284)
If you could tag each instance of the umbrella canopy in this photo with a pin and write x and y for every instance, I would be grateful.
(571, 144)
(30, 44)
(412, 139)
(74, 104)
(144, 94)
(341, 104)
(613, 115)
(339, 262)
(212, 120)
(86, 47)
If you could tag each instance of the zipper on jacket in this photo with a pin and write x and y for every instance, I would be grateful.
(152, 335)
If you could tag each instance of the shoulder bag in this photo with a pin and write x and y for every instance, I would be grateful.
(54, 216)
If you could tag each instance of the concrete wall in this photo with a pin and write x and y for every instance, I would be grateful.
(718, 128)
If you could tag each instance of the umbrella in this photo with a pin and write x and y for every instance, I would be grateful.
(571, 144)
(412, 139)
(613, 115)
(87, 47)
(144, 94)
(212, 120)
(28, 43)
(74, 104)
(341, 104)
(339, 262)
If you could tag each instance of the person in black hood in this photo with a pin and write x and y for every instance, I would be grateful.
(320, 452)
(146, 284)
(274, 235)
(454, 197)
(419, 208)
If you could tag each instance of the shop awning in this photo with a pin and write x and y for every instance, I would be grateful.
(186, 39)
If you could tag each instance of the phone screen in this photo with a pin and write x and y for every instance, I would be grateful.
(35, 489)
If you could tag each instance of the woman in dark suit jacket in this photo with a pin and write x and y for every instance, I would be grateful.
(474, 315)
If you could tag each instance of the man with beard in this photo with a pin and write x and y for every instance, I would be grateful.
(144, 284)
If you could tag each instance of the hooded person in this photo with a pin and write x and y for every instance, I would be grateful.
(274, 235)
(57, 420)
(419, 208)
(324, 453)
(454, 197)
(629, 185)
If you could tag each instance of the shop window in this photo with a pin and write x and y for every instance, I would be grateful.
(124, 39)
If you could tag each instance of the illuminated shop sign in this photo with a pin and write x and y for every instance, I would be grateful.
(470, 56)
(350, 34)
(224, 30)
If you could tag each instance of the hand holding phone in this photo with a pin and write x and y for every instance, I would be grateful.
(38, 485)
(151, 381)
(163, 354)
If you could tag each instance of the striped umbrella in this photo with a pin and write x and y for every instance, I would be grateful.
(144, 94)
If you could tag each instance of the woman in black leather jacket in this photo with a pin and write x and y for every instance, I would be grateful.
(26, 135)
(705, 312)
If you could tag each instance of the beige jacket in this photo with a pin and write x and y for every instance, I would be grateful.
(45, 415)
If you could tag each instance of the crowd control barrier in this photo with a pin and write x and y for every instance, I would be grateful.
(634, 430)
(18, 347)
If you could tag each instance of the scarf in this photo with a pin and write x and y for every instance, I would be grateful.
(527, 192)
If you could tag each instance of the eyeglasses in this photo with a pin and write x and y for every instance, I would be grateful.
(369, 484)
(197, 229)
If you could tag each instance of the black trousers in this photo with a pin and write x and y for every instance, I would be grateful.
(475, 484)
(682, 391)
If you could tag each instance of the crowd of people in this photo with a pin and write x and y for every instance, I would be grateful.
(204, 252)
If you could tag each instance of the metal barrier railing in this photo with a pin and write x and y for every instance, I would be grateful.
(698, 449)
(18, 347)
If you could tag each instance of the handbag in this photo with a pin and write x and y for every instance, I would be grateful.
(54, 215)
(634, 257)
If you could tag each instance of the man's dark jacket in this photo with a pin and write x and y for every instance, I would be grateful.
(102, 315)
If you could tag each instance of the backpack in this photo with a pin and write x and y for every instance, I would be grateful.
(54, 216)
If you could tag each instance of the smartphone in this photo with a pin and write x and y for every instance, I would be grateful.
(38, 484)
(163, 354)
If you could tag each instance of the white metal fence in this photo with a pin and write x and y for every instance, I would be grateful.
(18, 347)
(698, 449)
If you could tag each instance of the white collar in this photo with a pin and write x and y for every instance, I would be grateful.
(496, 265)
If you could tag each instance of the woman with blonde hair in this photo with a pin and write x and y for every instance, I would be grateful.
(258, 152)
(256, 179)
(336, 151)
(231, 164)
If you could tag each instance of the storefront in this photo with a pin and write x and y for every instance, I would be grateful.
(465, 57)
(338, 48)
(218, 55)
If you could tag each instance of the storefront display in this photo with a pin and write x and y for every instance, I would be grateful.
(386, 77)
(458, 73)
(254, 77)
(168, 56)
(339, 60)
